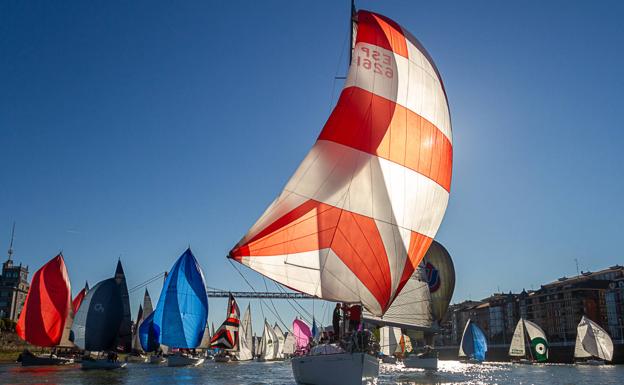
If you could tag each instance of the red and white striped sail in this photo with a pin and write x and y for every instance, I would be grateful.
(360, 212)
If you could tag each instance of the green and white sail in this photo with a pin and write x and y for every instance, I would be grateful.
(527, 331)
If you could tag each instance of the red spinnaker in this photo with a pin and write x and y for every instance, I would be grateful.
(47, 305)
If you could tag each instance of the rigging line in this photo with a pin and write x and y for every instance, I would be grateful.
(342, 49)
(296, 302)
(273, 304)
(254, 290)
(146, 282)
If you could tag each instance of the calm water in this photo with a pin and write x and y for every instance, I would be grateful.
(451, 372)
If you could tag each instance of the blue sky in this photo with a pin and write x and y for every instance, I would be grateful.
(134, 129)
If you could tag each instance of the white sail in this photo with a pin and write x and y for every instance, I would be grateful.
(205, 341)
(289, 344)
(390, 338)
(517, 347)
(269, 342)
(461, 344)
(592, 340)
(412, 307)
(280, 341)
(245, 336)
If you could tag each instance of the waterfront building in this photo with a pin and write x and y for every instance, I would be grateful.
(13, 286)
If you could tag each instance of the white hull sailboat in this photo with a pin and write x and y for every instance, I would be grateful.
(333, 369)
(528, 344)
(177, 360)
(593, 344)
(361, 197)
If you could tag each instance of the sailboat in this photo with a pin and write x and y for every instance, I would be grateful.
(389, 339)
(226, 337)
(281, 339)
(473, 344)
(77, 301)
(124, 337)
(245, 337)
(137, 350)
(289, 345)
(593, 344)
(371, 192)
(179, 320)
(268, 344)
(528, 333)
(46, 313)
(97, 322)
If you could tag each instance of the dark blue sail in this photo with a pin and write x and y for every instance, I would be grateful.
(182, 310)
(149, 334)
(99, 317)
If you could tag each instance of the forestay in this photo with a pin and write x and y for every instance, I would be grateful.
(356, 218)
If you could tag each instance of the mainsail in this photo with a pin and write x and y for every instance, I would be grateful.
(96, 324)
(281, 338)
(356, 218)
(48, 305)
(412, 307)
(182, 309)
(124, 338)
(440, 274)
(136, 341)
(389, 337)
(517, 348)
(245, 346)
(226, 337)
(592, 340)
(473, 343)
(268, 344)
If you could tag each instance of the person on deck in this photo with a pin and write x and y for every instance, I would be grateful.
(336, 321)
(355, 317)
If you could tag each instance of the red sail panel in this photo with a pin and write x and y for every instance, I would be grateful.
(47, 305)
(78, 299)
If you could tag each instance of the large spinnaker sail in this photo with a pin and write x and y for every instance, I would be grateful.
(474, 343)
(412, 307)
(47, 306)
(245, 337)
(537, 340)
(182, 309)
(440, 274)
(226, 337)
(517, 348)
(594, 341)
(302, 334)
(358, 215)
(96, 324)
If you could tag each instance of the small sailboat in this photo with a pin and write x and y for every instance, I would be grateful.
(97, 324)
(281, 339)
(179, 320)
(137, 355)
(389, 338)
(226, 337)
(289, 345)
(47, 313)
(268, 344)
(528, 333)
(302, 335)
(79, 297)
(245, 337)
(593, 344)
(473, 344)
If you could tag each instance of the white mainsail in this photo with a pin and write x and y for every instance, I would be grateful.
(280, 341)
(461, 344)
(412, 307)
(245, 336)
(592, 340)
(289, 344)
(390, 338)
(269, 343)
(518, 345)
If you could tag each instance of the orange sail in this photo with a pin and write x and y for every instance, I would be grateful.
(47, 305)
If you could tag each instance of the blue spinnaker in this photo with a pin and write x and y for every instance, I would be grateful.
(182, 310)
(479, 341)
(149, 334)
